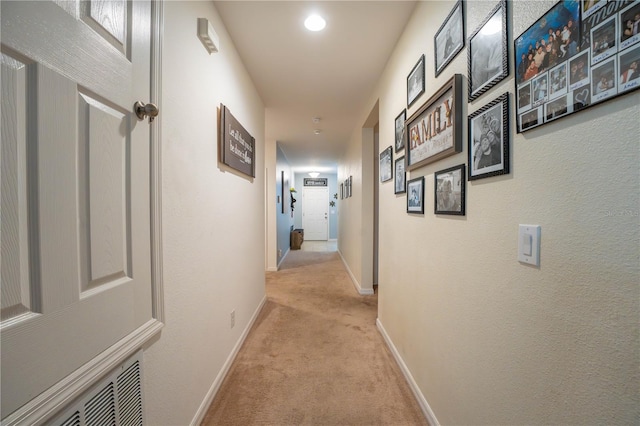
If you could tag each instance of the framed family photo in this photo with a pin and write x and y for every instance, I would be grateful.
(449, 39)
(489, 139)
(400, 134)
(386, 172)
(401, 176)
(450, 191)
(488, 52)
(415, 195)
(435, 130)
(577, 54)
(415, 82)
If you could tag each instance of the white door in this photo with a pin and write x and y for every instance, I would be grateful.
(75, 186)
(315, 213)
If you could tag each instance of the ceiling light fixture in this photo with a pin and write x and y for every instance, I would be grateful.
(314, 174)
(317, 131)
(316, 120)
(315, 23)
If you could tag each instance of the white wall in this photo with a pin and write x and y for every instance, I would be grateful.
(489, 340)
(213, 219)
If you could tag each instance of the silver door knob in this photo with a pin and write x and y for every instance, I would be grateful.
(143, 110)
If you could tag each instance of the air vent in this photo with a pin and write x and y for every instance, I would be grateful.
(114, 401)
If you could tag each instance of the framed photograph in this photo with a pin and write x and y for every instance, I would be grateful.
(435, 130)
(350, 181)
(401, 176)
(342, 191)
(449, 39)
(400, 134)
(584, 48)
(489, 139)
(415, 82)
(488, 52)
(236, 145)
(386, 172)
(415, 195)
(284, 193)
(450, 191)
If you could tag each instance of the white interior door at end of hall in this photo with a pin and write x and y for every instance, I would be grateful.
(75, 187)
(315, 213)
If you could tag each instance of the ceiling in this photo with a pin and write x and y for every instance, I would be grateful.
(302, 75)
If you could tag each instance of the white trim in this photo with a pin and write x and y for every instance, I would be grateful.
(157, 285)
(50, 402)
(282, 260)
(215, 387)
(332, 239)
(356, 284)
(422, 401)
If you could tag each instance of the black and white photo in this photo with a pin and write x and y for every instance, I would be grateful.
(415, 82)
(449, 39)
(401, 176)
(386, 172)
(488, 52)
(399, 127)
(450, 191)
(415, 195)
(489, 139)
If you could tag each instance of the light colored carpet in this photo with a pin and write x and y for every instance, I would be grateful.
(314, 356)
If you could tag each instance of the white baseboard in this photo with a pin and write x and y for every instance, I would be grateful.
(215, 387)
(283, 257)
(422, 401)
(356, 284)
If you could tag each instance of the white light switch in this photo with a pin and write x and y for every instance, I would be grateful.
(529, 244)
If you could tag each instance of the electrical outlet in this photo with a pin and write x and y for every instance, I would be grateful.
(279, 253)
(233, 318)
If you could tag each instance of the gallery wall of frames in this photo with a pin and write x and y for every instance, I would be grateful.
(578, 54)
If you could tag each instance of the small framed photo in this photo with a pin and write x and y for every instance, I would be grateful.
(450, 191)
(489, 139)
(524, 97)
(629, 66)
(342, 191)
(556, 108)
(629, 26)
(540, 89)
(603, 80)
(401, 176)
(449, 39)
(488, 52)
(386, 172)
(415, 195)
(400, 134)
(589, 7)
(350, 182)
(415, 82)
(603, 40)
(558, 81)
(529, 120)
(579, 71)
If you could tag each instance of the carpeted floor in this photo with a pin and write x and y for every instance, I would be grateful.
(314, 356)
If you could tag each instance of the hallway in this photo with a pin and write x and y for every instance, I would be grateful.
(314, 355)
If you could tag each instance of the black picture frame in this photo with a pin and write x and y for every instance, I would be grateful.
(415, 82)
(399, 129)
(488, 151)
(435, 130)
(450, 191)
(386, 161)
(415, 195)
(401, 176)
(598, 48)
(488, 53)
(284, 193)
(342, 191)
(449, 39)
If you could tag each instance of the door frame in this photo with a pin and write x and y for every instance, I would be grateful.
(50, 402)
(305, 189)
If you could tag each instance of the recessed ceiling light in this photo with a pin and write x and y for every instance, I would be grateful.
(317, 131)
(315, 23)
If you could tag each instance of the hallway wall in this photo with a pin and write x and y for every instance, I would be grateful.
(486, 339)
(284, 220)
(213, 219)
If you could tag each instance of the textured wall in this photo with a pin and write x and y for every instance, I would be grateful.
(213, 220)
(487, 339)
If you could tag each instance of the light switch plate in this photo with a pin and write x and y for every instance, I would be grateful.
(529, 244)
